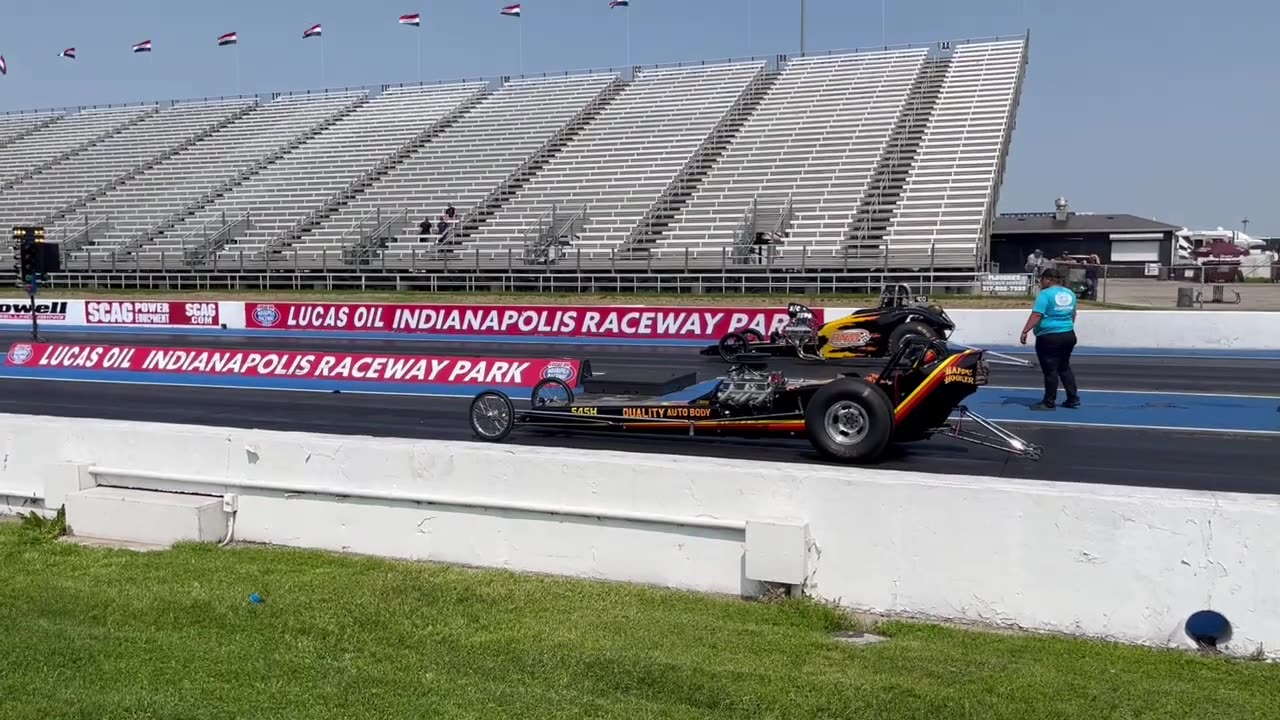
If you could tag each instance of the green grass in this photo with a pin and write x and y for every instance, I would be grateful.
(413, 296)
(93, 633)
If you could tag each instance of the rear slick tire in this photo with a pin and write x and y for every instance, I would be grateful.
(849, 421)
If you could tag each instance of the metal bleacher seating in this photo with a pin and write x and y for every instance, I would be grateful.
(129, 214)
(949, 199)
(809, 148)
(621, 164)
(31, 153)
(14, 126)
(266, 208)
(487, 149)
(889, 159)
(43, 197)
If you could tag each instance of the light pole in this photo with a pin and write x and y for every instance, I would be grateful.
(802, 27)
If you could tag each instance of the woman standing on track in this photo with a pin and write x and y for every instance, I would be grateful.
(1053, 318)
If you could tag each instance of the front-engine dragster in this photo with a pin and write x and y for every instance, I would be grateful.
(850, 418)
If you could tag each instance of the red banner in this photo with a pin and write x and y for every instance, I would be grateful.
(682, 323)
(416, 369)
(151, 312)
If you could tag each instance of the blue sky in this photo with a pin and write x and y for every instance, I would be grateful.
(1163, 108)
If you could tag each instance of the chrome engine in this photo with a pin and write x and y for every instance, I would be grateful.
(749, 390)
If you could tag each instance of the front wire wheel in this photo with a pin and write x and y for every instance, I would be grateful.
(551, 392)
(492, 416)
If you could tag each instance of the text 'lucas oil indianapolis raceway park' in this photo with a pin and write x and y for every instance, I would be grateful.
(702, 447)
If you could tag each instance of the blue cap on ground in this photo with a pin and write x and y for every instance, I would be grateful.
(256, 599)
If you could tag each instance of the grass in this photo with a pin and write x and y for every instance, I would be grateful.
(410, 296)
(94, 633)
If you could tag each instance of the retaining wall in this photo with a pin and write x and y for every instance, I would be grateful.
(1120, 563)
(607, 324)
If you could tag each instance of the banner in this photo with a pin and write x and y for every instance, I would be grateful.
(152, 312)
(294, 365)
(564, 321)
(19, 311)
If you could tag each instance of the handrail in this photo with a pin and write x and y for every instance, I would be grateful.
(471, 219)
(196, 253)
(695, 162)
(388, 161)
(74, 241)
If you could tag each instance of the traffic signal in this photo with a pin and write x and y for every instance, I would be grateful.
(36, 258)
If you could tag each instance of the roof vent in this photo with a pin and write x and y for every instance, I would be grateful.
(1060, 209)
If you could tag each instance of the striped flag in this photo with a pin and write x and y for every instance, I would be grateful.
(228, 39)
(144, 46)
(512, 10)
(4, 66)
(414, 20)
(69, 53)
(619, 3)
(313, 31)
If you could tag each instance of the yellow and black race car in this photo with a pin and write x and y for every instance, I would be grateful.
(869, 333)
(918, 394)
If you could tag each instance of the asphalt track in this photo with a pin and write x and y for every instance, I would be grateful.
(1116, 456)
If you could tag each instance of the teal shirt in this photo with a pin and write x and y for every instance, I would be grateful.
(1057, 307)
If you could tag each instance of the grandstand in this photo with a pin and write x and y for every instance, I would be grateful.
(883, 160)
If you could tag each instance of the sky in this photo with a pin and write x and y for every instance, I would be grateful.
(1166, 109)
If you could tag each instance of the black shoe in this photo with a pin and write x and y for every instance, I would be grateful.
(1072, 403)
(1042, 406)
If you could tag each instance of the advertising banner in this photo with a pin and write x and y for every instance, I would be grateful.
(293, 365)
(563, 321)
(152, 312)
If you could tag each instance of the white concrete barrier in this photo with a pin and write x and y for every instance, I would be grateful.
(1103, 329)
(1121, 563)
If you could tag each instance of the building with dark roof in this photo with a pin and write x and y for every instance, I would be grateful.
(1118, 239)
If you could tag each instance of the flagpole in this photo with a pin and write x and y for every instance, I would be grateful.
(628, 10)
(883, 40)
(419, 34)
(322, 60)
(238, 90)
(748, 28)
(520, 21)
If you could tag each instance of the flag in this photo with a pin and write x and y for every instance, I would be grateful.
(144, 46)
(228, 39)
(513, 10)
(4, 67)
(414, 19)
(69, 53)
(312, 31)
(619, 3)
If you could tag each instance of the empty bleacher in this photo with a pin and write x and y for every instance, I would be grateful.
(44, 196)
(13, 126)
(466, 164)
(125, 216)
(891, 158)
(32, 153)
(267, 206)
(948, 202)
(811, 147)
(622, 163)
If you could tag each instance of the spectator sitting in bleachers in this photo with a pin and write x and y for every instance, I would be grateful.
(424, 227)
(450, 213)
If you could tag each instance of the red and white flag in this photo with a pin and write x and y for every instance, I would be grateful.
(144, 46)
(313, 31)
(414, 20)
(228, 39)
(512, 10)
(69, 53)
(4, 66)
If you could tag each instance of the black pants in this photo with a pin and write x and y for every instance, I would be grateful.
(1054, 352)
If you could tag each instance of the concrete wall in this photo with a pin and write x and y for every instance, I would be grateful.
(1120, 329)
(1120, 563)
